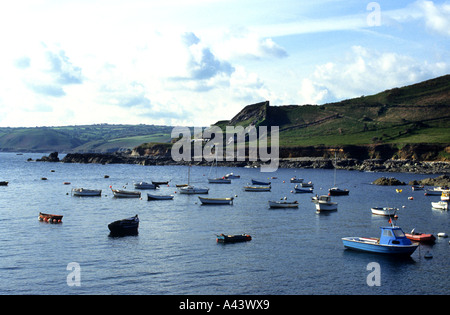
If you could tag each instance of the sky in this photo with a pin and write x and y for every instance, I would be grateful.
(195, 62)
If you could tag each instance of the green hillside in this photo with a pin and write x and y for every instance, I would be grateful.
(417, 113)
(85, 138)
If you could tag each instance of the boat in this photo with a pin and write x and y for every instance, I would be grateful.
(384, 210)
(306, 185)
(218, 180)
(441, 205)
(221, 180)
(144, 185)
(216, 201)
(257, 188)
(420, 237)
(392, 241)
(436, 191)
(417, 187)
(3, 183)
(190, 189)
(223, 238)
(159, 197)
(160, 183)
(442, 234)
(283, 204)
(181, 185)
(445, 196)
(50, 218)
(258, 182)
(324, 203)
(232, 176)
(124, 227)
(296, 180)
(126, 193)
(303, 190)
(336, 191)
(86, 192)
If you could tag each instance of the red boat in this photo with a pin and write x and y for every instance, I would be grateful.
(420, 237)
(50, 218)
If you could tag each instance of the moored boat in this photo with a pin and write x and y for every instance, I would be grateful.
(232, 176)
(441, 205)
(223, 238)
(216, 201)
(144, 185)
(220, 180)
(335, 191)
(257, 188)
(436, 191)
(258, 182)
(126, 193)
(86, 192)
(392, 241)
(124, 227)
(421, 237)
(3, 183)
(324, 203)
(160, 183)
(445, 196)
(50, 218)
(307, 185)
(300, 190)
(283, 204)
(190, 190)
(384, 210)
(159, 197)
(296, 180)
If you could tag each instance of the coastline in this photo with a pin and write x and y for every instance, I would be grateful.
(368, 165)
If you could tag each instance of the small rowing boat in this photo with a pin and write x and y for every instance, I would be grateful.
(50, 218)
(258, 182)
(159, 197)
(420, 237)
(125, 193)
(144, 185)
(216, 201)
(257, 188)
(283, 204)
(383, 210)
(82, 192)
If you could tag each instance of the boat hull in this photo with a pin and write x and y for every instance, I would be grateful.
(338, 192)
(50, 218)
(81, 192)
(383, 211)
(257, 182)
(283, 204)
(124, 227)
(216, 201)
(219, 181)
(421, 237)
(303, 190)
(257, 188)
(190, 190)
(371, 245)
(222, 238)
(126, 194)
(442, 205)
(159, 197)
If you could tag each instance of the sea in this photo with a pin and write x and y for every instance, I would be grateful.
(292, 251)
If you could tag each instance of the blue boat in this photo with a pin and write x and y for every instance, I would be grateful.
(392, 242)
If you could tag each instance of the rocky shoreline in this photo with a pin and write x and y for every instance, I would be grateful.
(370, 165)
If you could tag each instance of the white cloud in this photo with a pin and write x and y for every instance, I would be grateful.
(363, 72)
(437, 17)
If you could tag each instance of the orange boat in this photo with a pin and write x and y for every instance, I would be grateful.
(420, 237)
(50, 218)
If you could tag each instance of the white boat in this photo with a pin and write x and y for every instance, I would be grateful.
(144, 185)
(126, 193)
(190, 190)
(296, 180)
(159, 197)
(384, 210)
(323, 203)
(216, 201)
(436, 191)
(442, 205)
(307, 185)
(257, 188)
(283, 204)
(221, 180)
(86, 192)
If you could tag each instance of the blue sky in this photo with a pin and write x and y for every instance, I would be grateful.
(194, 62)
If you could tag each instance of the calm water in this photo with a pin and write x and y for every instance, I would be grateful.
(292, 251)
